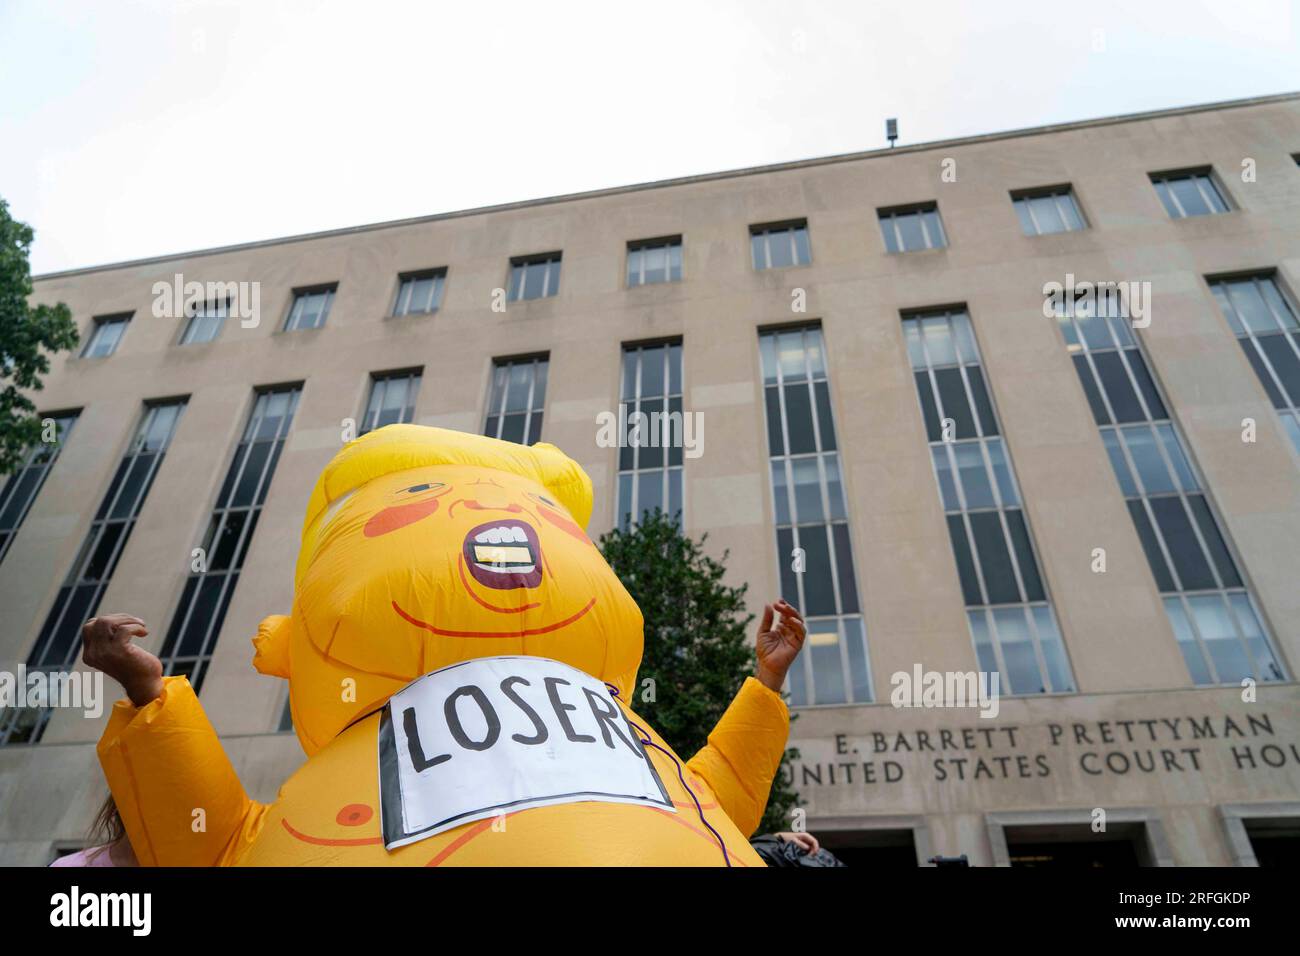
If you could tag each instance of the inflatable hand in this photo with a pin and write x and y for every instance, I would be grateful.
(463, 558)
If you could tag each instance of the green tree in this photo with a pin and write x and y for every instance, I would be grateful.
(24, 331)
(696, 638)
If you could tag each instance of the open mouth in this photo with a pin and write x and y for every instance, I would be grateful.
(504, 554)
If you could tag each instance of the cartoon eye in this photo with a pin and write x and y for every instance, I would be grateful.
(543, 499)
(427, 486)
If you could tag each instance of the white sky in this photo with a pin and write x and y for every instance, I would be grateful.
(138, 129)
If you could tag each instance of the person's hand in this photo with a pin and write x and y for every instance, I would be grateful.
(106, 646)
(778, 646)
(806, 841)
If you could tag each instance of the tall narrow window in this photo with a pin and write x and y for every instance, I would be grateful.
(534, 277)
(22, 487)
(1189, 193)
(654, 260)
(813, 548)
(1045, 211)
(516, 401)
(912, 228)
(310, 308)
(105, 335)
(1265, 323)
(1222, 637)
(1011, 620)
(57, 646)
(197, 623)
(419, 292)
(205, 321)
(780, 245)
(650, 415)
(392, 399)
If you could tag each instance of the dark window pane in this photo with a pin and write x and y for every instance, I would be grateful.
(513, 428)
(785, 561)
(1214, 541)
(1148, 387)
(37, 655)
(909, 228)
(1162, 190)
(651, 437)
(775, 445)
(201, 615)
(134, 487)
(222, 538)
(1261, 372)
(534, 279)
(799, 425)
(952, 396)
(248, 540)
(19, 491)
(803, 253)
(626, 451)
(844, 568)
(824, 421)
(677, 431)
(933, 430)
(970, 585)
(254, 466)
(818, 587)
(652, 372)
(535, 428)
(982, 404)
(1189, 561)
(887, 231)
(779, 249)
(270, 470)
(1099, 413)
(1115, 383)
(228, 485)
(1025, 556)
(1281, 353)
(1155, 558)
(81, 605)
(173, 633)
(995, 560)
(100, 565)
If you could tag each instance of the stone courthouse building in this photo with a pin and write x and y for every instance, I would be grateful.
(1021, 405)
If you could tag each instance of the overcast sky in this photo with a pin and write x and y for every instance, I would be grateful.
(143, 128)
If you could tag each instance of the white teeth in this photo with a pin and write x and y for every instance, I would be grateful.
(502, 534)
(520, 569)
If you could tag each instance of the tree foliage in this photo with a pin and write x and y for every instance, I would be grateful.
(697, 651)
(26, 333)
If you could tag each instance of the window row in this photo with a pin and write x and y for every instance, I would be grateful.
(1209, 605)
(913, 228)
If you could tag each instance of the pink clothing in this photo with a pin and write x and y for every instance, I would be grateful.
(91, 856)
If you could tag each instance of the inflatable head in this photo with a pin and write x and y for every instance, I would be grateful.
(423, 547)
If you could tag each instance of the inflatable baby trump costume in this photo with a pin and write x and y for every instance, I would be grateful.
(461, 663)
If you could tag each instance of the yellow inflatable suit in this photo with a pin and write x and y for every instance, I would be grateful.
(463, 558)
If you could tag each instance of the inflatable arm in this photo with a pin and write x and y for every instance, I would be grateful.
(743, 754)
(164, 764)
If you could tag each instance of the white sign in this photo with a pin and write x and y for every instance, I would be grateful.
(499, 734)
